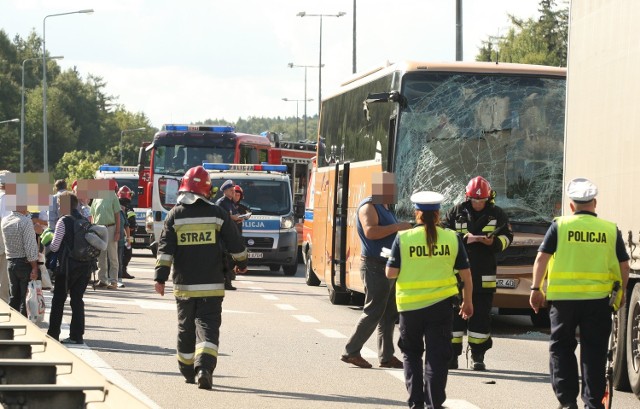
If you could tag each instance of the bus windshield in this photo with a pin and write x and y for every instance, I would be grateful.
(506, 128)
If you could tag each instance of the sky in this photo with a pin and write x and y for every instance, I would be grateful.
(191, 60)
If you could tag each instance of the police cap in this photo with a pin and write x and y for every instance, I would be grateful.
(226, 185)
(582, 190)
(426, 200)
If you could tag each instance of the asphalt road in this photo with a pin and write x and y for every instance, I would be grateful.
(280, 346)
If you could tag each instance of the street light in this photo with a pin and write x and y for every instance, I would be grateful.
(122, 134)
(292, 65)
(304, 14)
(298, 116)
(58, 57)
(44, 82)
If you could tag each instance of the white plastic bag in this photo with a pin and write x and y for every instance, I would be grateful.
(35, 302)
(44, 273)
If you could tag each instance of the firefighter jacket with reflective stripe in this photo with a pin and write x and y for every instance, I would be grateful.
(426, 274)
(463, 219)
(585, 264)
(192, 240)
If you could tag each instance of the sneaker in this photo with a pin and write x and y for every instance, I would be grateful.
(112, 286)
(453, 362)
(356, 360)
(204, 379)
(120, 284)
(392, 363)
(72, 341)
(101, 284)
(477, 362)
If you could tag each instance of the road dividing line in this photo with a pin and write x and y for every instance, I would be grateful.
(331, 333)
(286, 307)
(306, 318)
(270, 297)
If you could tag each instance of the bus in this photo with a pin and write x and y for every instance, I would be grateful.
(437, 125)
(177, 148)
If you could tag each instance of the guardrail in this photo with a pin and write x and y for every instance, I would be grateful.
(37, 372)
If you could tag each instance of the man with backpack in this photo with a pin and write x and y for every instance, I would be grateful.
(72, 274)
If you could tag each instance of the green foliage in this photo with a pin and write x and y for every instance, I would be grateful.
(77, 165)
(529, 41)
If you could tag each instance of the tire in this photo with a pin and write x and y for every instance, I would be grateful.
(310, 277)
(338, 298)
(541, 319)
(620, 379)
(290, 269)
(633, 340)
(274, 268)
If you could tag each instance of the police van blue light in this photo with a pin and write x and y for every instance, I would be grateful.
(109, 168)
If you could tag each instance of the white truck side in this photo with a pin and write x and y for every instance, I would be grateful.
(602, 142)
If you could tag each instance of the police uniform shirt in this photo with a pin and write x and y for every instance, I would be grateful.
(462, 260)
(550, 242)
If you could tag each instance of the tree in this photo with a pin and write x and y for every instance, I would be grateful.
(77, 165)
(529, 41)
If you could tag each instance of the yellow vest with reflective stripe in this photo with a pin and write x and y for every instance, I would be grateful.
(585, 263)
(425, 280)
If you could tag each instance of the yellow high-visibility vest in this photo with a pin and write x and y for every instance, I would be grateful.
(426, 276)
(585, 264)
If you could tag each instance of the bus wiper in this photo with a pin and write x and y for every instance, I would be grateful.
(392, 96)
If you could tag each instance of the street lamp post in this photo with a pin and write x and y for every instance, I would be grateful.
(304, 14)
(298, 116)
(58, 57)
(44, 82)
(122, 134)
(292, 65)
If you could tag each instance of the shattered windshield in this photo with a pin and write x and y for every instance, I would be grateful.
(508, 129)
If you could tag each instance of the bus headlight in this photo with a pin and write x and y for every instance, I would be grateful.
(287, 222)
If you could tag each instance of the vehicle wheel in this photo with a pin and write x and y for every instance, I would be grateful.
(154, 250)
(541, 319)
(620, 380)
(274, 268)
(357, 298)
(310, 277)
(633, 340)
(338, 298)
(290, 269)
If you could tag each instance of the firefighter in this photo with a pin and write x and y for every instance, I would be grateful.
(124, 196)
(485, 230)
(423, 260)
(190, 241)
(588, 269)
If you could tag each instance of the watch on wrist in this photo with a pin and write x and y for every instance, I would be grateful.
(535, 288)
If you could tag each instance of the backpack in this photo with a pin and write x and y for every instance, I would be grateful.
(82, 249)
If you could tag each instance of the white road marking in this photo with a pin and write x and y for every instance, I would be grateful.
(286, 307)
(305, 318)
(331, 333)
(254, 288)
(270, 297)
(368, 353)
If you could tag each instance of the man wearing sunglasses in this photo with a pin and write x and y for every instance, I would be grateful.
(485, 230)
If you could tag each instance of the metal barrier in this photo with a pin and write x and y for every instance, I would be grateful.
(37, 371)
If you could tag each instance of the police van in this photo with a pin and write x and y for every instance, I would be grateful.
(128, 176)
(269, 234)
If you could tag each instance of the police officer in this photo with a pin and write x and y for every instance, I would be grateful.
(584, 257)
(227, 203)
(485, 230)
(423, 259)
(190, 241)
(124, 196)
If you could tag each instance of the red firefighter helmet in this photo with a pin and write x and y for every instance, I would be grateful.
(478, 188)
(113, 185)
(197, 181)
(125, 193)
(238, 189)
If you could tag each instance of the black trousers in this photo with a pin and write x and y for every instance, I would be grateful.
(426, 329)
(126, 258)
(76, 285)
(478, 327)
(593, 318)
(199, 321)
(19, 272)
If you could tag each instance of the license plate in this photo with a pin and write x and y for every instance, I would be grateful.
(507, 282)
(139, 239)
(255, 255)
